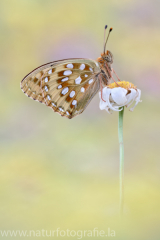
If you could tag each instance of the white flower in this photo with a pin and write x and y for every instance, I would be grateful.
(114, 97)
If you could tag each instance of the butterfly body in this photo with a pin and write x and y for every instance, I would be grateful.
(105, 62)
(67, 86)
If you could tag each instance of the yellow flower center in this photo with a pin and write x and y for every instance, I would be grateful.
(122, 84)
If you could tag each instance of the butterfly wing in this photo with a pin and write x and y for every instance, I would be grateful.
(67, 86)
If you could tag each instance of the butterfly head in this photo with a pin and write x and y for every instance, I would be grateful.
(107, 56)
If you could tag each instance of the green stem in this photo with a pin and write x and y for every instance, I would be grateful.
(121, 169)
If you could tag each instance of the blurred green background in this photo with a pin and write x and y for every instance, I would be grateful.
(56, 172)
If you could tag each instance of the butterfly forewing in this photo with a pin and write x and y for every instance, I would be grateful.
(67, 86)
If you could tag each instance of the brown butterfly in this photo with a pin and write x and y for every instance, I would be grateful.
(67, 86)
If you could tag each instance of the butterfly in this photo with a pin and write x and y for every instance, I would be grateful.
(67, 86)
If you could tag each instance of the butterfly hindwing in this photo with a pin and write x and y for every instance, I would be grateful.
(67, 86)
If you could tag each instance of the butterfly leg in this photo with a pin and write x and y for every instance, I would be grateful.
(116, 75)
(111, 74)
(101, 87)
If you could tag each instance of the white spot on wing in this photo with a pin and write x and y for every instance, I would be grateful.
(61, 109)
(67, 72)
(46, 79)
(82, 67)
(70, 65)
(72, 94)
(65, 90)
(91, 69)
(78, 80)
(64, 79)
(74, 102)
(49, 98)
(82, 89)
(46, 88)
(86, 75)
(60, 86)
(50, 71)
(53, 104)
(67, 112)
(90, 81)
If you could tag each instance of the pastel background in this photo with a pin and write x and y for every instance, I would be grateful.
(56, 172)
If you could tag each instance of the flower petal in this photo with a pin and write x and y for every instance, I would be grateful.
(105, 95)
(114, 107)
(119, 95)
(131, 97)
(137, 99)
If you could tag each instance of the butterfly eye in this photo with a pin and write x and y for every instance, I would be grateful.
(107, 58)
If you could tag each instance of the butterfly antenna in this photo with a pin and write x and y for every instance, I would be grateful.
(107, 39)
(105, 35)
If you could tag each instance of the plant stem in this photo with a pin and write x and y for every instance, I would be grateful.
(121, 166)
